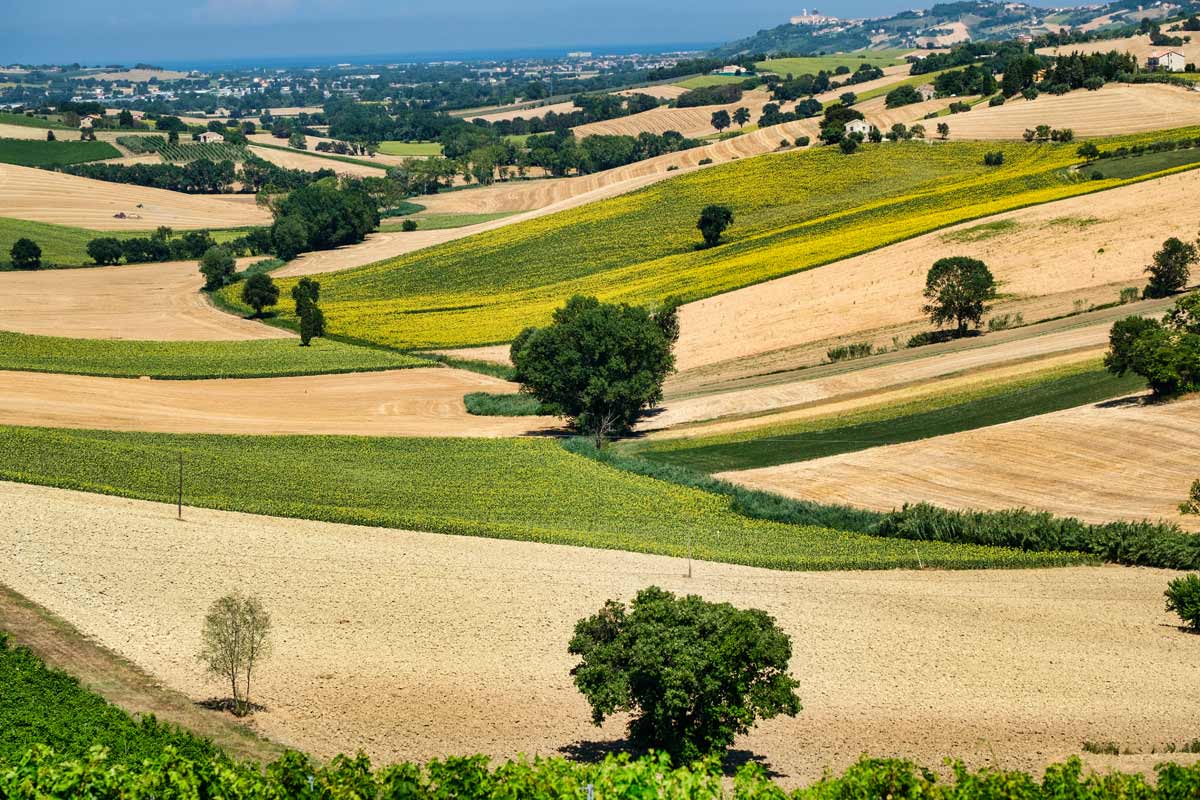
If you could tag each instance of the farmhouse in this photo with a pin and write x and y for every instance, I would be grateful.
(926, 91)
(728, 69)
(1169, 61)
(859, 126)
(210, 137)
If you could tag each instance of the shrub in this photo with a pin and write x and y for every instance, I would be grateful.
(692, 674)
(218, 267)
(705, 161)
(105, 251)
(848, 352)
(998, 100)
(409, 225)
(1129, 294)
(487, 404)
(1192, 504)
(1003, 323)
(959, 107)
(1183, 598)
(994, 158)
(848, 144)
(25, 254)
(803, 141)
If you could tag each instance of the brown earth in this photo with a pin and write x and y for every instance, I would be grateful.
(1117, 460)
(44, 196)
(537, 112)
(409, 645)
(1111, 110)
(296, 159)
(408, 402)
(384, 161)
(159, 302)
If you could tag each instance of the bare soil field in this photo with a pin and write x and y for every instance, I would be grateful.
(1056, 248)
(141, 302)
(1139, 46)
(1111, 110)
(412, 646)
(537, 112)
(691, 122)
(138, 75)
(296, 159)
(409, 402)
(44, 196)
(27, 132)
(1117, 460)
(664, 91)
(384, 161)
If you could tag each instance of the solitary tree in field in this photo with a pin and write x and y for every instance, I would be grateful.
(1183, 598)
(958, 290)
(306, 293)
(25, 254)
(692, 674)
(50, 136)
(720, 120)
(235, 637)
(259, 291)
(943, 130)
(1171, 268)
(217, 266)
(741, 116)
(713, 222)
(600, 365)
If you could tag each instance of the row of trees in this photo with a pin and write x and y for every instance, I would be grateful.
(203, 176)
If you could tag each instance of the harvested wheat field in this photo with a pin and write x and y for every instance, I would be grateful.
(536, 112)
(664, 91)
(1111, 110)
(1118, 460)
(1139, 46)
(384, 161)
(28, 132)
(411, 646)
(296, 159)
(1056, 248)
(142, 302)
(44, 196)
(409, 402)
(691, 122)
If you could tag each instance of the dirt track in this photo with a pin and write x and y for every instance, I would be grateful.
(409, 402)
(413, 645)
(1103, 462)
(142, 301)
(44, 196)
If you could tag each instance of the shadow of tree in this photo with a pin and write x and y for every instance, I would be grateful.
(592, 752)
(226, 704)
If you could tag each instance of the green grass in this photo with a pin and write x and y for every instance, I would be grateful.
(700, 81)
(981, 232)
(640, 247)
(38, 153)
(486, 404)
(248, 359)
(8, 118)
(1134, 166)
(938, 415)
(527, 489)
(65, 246)
(438, 222)
(39, 705)
(811, 65)
(410, 148)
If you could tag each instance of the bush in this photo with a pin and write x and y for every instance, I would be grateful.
(1192, 504)
(959, 107)
(1183, 598)
(487, 404)
(105, 251)
(994, 158)
(803, 141)
(1166, 353)
(25, 254)
(902, 96)
(998, 100)
(218, 267)
(1129, 294)
(847, 352)
(693, 675)
(409, 225)
(705, 161)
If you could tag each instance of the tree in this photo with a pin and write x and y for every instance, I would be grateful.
(902, 96)
(289, 237)
(125, 118)
(692, 674)
(50, 136)
(217, 266)
(847, 98)
(297, 141)
(1166, 353)
(1089, 151)
(1171, 268)
(741, 116)
(236, 635)
(306, 293)
(720, 120)
(713, 221)
(1183, 598)
(1192, 504)
(25, 254)
(943, 130)
(105, 251)
(172, 136)
(849, 144)
(259, 291)
(958, 289)
(599, 365)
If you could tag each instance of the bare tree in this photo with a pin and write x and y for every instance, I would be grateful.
(236, 636)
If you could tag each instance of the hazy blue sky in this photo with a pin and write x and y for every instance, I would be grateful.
(135, 30)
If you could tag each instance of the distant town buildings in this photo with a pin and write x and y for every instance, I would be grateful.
(815, 18)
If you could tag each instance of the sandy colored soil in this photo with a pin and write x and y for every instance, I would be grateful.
(412, 646)
(139, 75)
(956, 32)
(410, 402)
(295, 159)
(1139, 46)
(537, 112)
(664, 91)
(1111, 110)
(1054, 248)
(27, 132)
(142, 302)
(1103, 462)
(384, 161)
(44, 196)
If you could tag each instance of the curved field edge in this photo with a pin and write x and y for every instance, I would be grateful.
(184, 360)
(794, 211)
(524, 489)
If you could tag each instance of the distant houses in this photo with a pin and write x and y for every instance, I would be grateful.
(210, 137)
(926, 91)
(1168, 61)
(859, 126)
(729, 69)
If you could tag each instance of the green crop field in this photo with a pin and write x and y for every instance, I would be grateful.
(438, 222)
(65, 246)
(952, 412)
(641, 247)
(38, 153)
(8, 118)
(528, 489)
(700, 81)
(410, 148)
(1133, 166)
(811, 65)
(249, 359)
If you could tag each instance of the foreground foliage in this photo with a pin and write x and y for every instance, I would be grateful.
(42, 775)
(694, 675)
(526, 489)
(639, 248)
(258, 358)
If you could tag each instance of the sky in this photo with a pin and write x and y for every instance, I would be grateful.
(130, 31)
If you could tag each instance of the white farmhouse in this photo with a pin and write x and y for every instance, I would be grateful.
(211, 137)
(859, 126)
(1169, 61)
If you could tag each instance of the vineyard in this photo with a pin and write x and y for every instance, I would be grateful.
(184, 151)
(192, 360)
(525, 489)
(140, 145)
(641, 247)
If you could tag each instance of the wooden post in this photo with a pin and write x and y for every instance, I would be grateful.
(179, 506)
